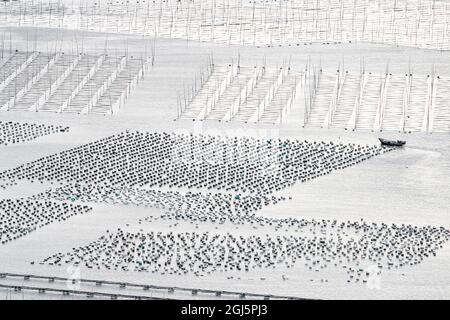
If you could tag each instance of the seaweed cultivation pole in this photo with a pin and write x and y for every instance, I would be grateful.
(188, 16)
(311, 84)
(10, 40)
(152, 51)
(3, 48)
(413, 23)
(429, 107)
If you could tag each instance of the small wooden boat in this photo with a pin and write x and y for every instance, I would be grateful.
(392, 143)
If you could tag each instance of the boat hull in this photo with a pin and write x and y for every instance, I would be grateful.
(392, 143)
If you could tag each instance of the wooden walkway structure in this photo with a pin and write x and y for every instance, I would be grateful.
(69, 292)
(122, 285)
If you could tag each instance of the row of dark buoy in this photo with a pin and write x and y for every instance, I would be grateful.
(246, 165)
(320, 245)
(204, 206)
(298, 44)
(19, 217)
(16, 132)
